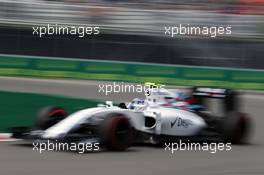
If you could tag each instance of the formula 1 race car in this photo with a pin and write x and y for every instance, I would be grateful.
(117, 127)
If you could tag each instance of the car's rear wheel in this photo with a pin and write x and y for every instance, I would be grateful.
(236, 128)
(117, 132)
(49, 116)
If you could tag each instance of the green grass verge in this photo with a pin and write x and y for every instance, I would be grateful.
(131, 78)
(19, 109)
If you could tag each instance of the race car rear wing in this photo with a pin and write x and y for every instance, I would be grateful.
(229, 97)
(210, 92)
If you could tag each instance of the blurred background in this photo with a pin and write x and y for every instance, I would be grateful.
(133, 30)
(131, 47)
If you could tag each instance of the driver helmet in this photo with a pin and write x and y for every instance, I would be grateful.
(137, 102)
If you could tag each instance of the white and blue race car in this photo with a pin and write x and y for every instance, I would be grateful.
(144, 120)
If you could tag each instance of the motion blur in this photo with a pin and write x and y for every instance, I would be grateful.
(134, 30)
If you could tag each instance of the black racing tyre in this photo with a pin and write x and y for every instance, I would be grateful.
(117, 132)
(49, 116)
(236, 128)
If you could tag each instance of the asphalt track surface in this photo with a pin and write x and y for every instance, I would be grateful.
(17, 159)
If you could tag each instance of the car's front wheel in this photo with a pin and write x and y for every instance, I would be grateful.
(117, 132)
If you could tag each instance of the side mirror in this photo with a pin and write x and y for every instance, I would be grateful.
(122, 106)
(109, 103)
